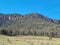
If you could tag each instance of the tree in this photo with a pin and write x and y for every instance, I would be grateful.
(50, 36)
(10, 32)
(35, 33)
(4, 32)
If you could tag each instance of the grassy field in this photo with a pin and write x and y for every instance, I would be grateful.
(28, 40)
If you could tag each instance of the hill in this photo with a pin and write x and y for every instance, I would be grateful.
(29, 24)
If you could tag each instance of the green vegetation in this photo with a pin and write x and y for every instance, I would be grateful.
(46, 33)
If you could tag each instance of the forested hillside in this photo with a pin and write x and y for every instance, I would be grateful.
(29, 24)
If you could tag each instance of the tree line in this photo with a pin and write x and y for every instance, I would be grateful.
(35, 33)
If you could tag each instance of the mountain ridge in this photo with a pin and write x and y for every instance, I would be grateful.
(16, 16)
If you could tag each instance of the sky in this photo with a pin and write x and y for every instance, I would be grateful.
(49, 8)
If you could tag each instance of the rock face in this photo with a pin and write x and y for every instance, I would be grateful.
(10, 16)
(26, 16)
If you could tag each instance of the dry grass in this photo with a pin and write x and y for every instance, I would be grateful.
(28, 40)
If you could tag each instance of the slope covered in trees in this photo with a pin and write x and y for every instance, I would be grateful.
(29, 24)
